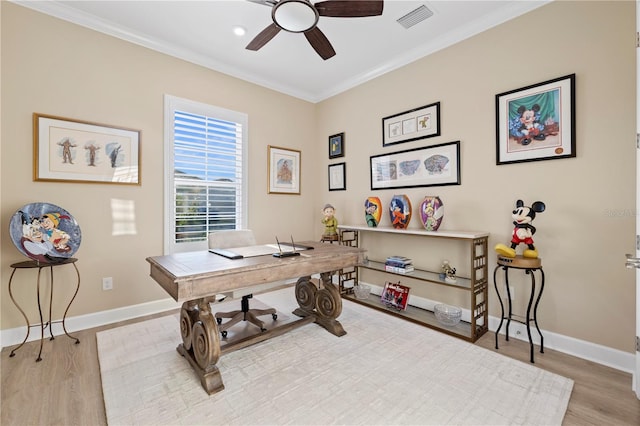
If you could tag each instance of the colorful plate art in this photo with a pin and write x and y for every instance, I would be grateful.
(400, 211)
(372, 211)
(45, 232)
(431, 212)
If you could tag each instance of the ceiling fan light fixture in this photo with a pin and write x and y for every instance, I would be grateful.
(295, 16)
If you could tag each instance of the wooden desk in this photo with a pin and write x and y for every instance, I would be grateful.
(194, 278)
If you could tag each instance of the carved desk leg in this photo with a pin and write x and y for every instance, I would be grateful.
(324, 303)
(201, 343)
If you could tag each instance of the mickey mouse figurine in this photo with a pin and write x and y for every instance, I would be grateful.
(523, 230)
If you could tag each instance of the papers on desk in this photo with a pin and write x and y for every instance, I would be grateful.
(261, 250)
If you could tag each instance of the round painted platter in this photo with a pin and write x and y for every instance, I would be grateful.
(372, 211)
(431, 212)
(45, 232)
(400, 211)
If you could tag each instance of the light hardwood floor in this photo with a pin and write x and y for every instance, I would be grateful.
(65, 388)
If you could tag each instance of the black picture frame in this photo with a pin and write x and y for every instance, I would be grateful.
(417, 123)
(336, 145)
(436, 165)
(537, 122)
(337, 177)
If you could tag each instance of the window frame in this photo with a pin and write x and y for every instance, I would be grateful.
(172, 104)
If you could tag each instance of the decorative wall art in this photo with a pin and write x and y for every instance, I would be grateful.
(72, 150)
(336, 145)
(45, 232)
(337, 177)
(435, 165)
(283, 168)
(536, 122)
(372, 211)
(418, 123)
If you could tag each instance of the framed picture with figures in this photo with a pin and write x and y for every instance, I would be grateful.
(536, 122)
(68, 150)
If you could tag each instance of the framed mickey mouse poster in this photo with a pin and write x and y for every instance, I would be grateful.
(536, 122)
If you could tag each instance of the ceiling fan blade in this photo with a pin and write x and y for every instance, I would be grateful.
(320, 43)
(264, 37)
(269, 3)
(349, 9)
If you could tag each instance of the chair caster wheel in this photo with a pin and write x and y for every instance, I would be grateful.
(224, 334)
(274, 316)
(219, 321)
(263, 329)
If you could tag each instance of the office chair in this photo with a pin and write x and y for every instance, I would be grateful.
(229, 239)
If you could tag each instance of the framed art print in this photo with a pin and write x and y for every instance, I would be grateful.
(68, 150)
(283, 170)
(418, 123)
(336, 145)
(435, 165)
(337, 177)
(536, 122)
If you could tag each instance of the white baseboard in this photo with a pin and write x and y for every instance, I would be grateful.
(613, 358)
(14, 336)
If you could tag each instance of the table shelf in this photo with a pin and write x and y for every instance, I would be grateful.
(475, 285)
(414, 314)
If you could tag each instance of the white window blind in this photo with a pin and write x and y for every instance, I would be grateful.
(206, 171)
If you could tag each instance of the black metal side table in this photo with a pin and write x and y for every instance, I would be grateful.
(32, 264)
(530, 266)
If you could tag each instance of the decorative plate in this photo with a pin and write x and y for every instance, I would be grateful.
(431, 212)
(400, 211)
(45, 232)
(372, 211)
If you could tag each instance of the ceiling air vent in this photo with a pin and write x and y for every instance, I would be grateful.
(415, 16)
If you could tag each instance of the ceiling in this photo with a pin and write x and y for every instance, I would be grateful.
(202, 32)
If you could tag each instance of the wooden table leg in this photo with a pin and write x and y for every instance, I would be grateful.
(201, 343)
(322, 301)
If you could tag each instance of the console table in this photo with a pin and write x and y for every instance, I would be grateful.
(194, 278)
(529, 266)
(32, 264)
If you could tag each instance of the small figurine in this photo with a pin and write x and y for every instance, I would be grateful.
(330, 223)
(449, 272)
(523, 230)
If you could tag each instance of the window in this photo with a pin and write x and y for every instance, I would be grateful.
(205, 172)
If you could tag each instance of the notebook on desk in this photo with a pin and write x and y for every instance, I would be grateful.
(260, 250)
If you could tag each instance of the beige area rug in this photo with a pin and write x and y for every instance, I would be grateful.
(385, 371)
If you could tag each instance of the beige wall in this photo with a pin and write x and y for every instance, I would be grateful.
(589, 294)
(50, 66)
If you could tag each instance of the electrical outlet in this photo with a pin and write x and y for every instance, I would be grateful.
(107, 283)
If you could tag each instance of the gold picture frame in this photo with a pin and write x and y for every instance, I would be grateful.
(283, 170)
(69, 150)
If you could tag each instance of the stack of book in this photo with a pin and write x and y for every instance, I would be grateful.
(398, 264)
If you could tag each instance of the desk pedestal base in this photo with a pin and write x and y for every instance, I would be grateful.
(320, 303)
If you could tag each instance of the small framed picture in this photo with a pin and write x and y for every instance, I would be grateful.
(336, 145)
(283, 169)
(337, 177)
(536, 122)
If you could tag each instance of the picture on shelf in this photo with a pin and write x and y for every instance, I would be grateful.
(395, 295)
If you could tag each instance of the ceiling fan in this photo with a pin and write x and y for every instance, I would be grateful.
(301, 16)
